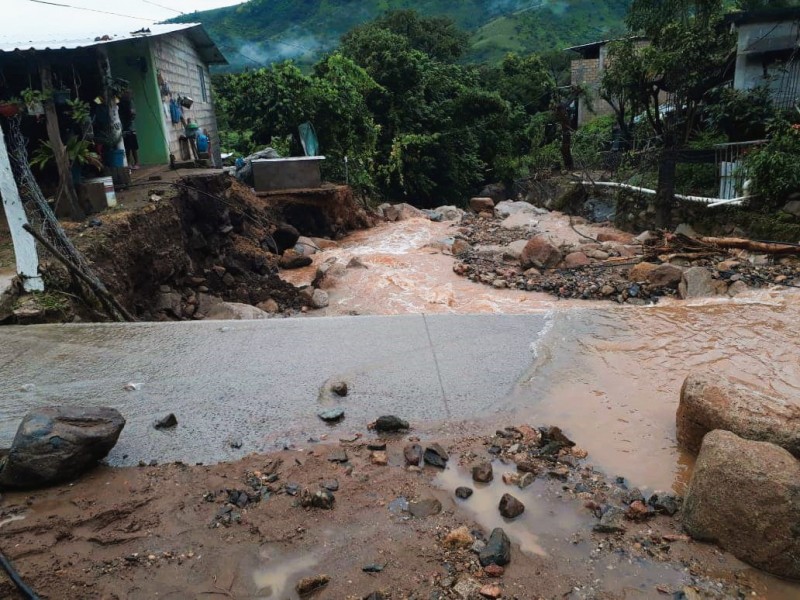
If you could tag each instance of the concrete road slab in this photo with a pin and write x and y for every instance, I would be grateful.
(262, 382)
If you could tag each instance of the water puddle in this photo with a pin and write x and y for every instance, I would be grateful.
(546, 523)
(276, 578)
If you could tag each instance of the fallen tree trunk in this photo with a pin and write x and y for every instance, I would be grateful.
(752, 246)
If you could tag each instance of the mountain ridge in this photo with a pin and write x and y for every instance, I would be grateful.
(260, 32)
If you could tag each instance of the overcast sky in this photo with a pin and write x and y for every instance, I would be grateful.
(23, 20)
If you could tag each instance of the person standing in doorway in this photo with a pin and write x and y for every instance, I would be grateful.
(127, 115)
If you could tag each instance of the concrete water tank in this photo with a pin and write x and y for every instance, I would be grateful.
(298, 172)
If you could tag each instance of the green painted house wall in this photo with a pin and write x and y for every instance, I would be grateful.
(128, 61)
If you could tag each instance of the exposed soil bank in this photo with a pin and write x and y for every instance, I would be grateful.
(203, 240)
(239, 530)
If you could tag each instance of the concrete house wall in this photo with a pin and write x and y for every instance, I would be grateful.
(768, 54)
(184, 70)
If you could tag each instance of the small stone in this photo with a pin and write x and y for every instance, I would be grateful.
(579, 453)
(639, 511)
(426, 507)
(526, 480)
(459, 538)
(235, 443)
(494, 570)
(166, 422)
(612, 521)
(390, 424)
(373, 568)
(339, 388)
(320, 499)
(310, 585)
(333, 415)
(376, 446)
(320, 299)
(338, 455)
(667, 504)
(491, 590)
(463, 492)
(332, 485)
(413, 454)
(511, 478)
(510, 507)
(497, 550)
(467, 588)
(436, 456)
(483, 473)
(379, 458)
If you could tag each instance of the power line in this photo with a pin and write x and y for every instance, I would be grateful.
(94, 10)
(180, 12)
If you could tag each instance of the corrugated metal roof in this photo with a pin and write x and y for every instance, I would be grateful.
(205, 45)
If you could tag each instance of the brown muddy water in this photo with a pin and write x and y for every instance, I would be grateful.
(608, 374)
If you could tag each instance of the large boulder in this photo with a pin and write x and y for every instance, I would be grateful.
(792, 208)
(235, 311)
(574, 260)
(665, 275)
(449, 213)
(709, 402)
(540, 253)
(57, 444)
(515, 249)
(495, 191)
(640, 272)
(285, 237)
(402, 212)
(506, 208)
(520, 220)
(697, 282)
(745, 496)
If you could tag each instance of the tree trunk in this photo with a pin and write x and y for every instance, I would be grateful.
(562, 115)
(121, 175)
(665, 192)
(66, 187)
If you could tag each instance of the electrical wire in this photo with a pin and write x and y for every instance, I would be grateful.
(180, 12)
(94, 10)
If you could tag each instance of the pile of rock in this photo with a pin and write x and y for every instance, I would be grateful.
(744, 492)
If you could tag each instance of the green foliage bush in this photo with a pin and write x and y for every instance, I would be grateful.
(774, 169)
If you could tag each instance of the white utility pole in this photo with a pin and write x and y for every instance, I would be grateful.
(24, 244)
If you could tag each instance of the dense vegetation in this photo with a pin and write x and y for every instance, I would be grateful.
(413, 122)
(259, 32)
(402, 115)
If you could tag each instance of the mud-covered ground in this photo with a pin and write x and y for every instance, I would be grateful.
(250, 529)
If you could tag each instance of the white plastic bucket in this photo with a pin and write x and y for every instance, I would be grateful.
(108, 187)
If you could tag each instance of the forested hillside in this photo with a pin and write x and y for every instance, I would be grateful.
(265, 31)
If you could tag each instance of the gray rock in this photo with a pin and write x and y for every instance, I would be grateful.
(483, 472)
(449, 213)
(510, 507)
(514, 250)
(467, 589)
(319, 299)
(57, 444)
(436, 456)
(338, 455)
(697, 282)
(666, 504)
(413, 454)
(426, 507)
(332, 485)
(744, 496)
(294, 260)
(497, 550)
(710, 402)
(166, 422)
(234, 311)
(463, 492)
(506, 208)
(612, 521)
(793, 208)
(687, 230)
(332, 415)
(320, 499)
(390, 424)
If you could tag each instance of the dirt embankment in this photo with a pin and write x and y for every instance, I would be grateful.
(204, 240)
